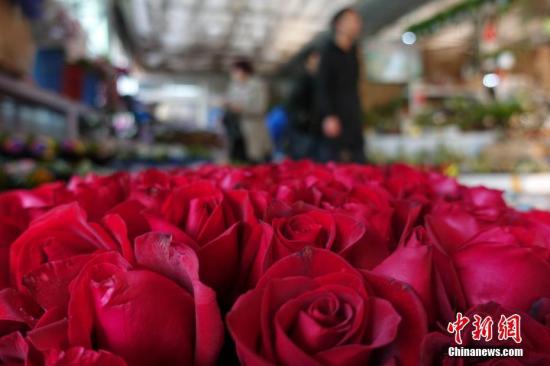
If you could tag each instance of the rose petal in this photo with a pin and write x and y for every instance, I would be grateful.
(14, 350)
(507, 274)
(413, 318)
(156, 251)
(51, 331)
(78, 356)
(63, 232)
(17, 311)
(49, 283)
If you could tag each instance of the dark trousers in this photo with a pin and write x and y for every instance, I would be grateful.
(237, 149)
(301, 145)
(330, 150)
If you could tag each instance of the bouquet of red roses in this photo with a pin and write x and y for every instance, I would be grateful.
(289, 264)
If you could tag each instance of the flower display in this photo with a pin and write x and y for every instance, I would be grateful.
(294, 263)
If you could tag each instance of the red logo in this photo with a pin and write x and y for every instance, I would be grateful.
(508, 328)
(482, 328)
(458, 326)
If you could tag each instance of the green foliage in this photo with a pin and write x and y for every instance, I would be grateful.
(470, 114)
(455, 13)
(385, 118)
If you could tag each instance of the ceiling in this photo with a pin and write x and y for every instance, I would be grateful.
(376, 15)
(380, 13)
(201, 35)
(206, 35)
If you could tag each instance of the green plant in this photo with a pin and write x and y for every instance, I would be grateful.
(455, 13)
(470, 114)
(385, 118)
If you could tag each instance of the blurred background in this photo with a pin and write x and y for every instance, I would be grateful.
(98, 86)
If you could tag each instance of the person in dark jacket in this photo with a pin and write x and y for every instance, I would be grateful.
(338, 92)
(301, 109)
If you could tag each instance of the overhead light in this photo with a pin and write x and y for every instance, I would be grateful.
(127, 85)
(491, 80)
(181, 91)
(409, 38)
(506, 60)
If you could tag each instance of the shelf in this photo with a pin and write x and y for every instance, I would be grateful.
(33, 94)
(442, 91)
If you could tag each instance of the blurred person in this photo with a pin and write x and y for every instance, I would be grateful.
(247, 101)
(277, 125)
(232, 124)
(338, 91)
(301, 108)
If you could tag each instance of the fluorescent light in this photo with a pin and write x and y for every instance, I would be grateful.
(127, 85)
(409, 38)
(506, 60)
(491, 80)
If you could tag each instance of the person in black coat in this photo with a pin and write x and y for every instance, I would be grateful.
(338, 92)
(301, 109)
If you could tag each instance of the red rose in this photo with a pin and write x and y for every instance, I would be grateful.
(488, 267)
(404, 181)
(485, 204)
(414, 193)
(17, 210)
(493, 267)
(321, 187)
(444, 187)
(14, 350)
(229, 178)
(296, 190)
(294, 170)
(299, 226)
(456, 222)
(62, 233)
(353, 175)
(96, 194)
(371, 205)
(491, 263)
(260, 177)
(452, 225)
(155, 314)
(78, 356)
(132, 212)
(329, 193)
(17, 312)
(313, 308)
(212, 222)
(150, 188)
(531, 229)
(430, 272)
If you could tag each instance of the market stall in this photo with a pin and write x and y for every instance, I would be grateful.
(475, 94)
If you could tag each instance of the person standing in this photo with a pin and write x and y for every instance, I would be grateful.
(301, 108)
(338, 92)
(247, 101)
